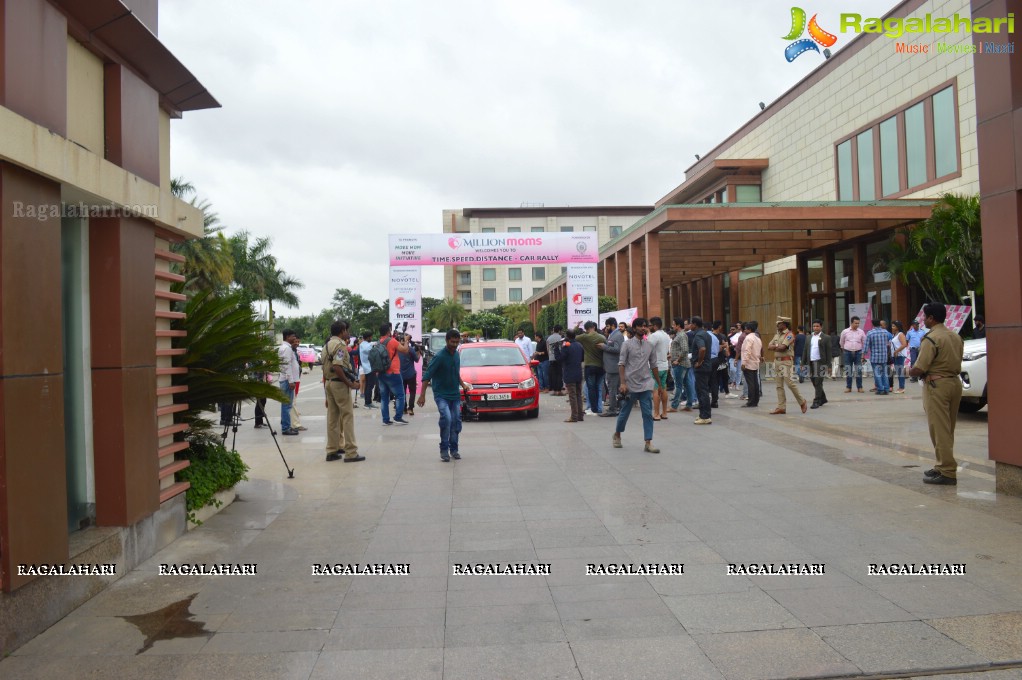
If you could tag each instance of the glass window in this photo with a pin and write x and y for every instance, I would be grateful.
(464, 278)
(588, 228)
(890, 183)
(945, 137)
(814, 268)
(722, 196)
(539, 273)
(514, 230)
(748, 193)
(489, 294)
(567, 228)
(915, 145)
(537, 291)
(564, 270)
(844, 171)
(465, 297)
(514, 274)
(514, 294)
(750, 272)
(487, 230)
(867, 177)
(844, 271)
(615, 231)
(489, 274)
(535, 229)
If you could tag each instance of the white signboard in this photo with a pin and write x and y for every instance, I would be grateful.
(406, 300)
(583, 295)
(626, 315)
(513, 249)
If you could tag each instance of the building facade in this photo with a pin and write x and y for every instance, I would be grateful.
(87, 94)
(790, 213)
(479, 288)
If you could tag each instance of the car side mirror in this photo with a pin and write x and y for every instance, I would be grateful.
(533, 362)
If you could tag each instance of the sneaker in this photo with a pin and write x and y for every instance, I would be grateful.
(455, 455)
(649, 448)
(354, 459)
(730, 396)
(445, 459)
(616, 441)
(932, 473)
(702, 421)
(301, 428)
(400, 421)
(290, 433)
(387, 422)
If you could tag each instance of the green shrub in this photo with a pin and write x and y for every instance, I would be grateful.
(213, 468)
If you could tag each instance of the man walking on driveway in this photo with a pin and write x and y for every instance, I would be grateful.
(338, 378)
(783, 346)
(390, 382)
(816, 355)
(444, 372)
(636, 368)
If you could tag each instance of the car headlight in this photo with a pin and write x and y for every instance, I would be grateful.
(973, 356)
(526, 384)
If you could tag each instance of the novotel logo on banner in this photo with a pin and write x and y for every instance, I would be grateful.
(456, 243)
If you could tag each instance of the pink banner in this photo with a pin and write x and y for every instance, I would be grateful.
(508, 249)
(956, 316)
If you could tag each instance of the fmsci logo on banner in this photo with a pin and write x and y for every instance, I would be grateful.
(406, 300)
(583, 295)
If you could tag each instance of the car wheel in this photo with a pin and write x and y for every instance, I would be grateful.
(971, 406)
(534, 413)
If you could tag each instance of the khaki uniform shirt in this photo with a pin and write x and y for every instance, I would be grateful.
(940, 353)
(787, 338)
(335, 352)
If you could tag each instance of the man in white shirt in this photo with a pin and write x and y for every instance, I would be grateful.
(290, 372)
(661, 343)
(526, 345)
(817, 356)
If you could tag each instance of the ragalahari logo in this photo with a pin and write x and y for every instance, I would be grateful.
(803, 45)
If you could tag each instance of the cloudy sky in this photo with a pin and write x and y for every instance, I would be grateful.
(345, 121)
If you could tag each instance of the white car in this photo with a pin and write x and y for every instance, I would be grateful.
(974, 376)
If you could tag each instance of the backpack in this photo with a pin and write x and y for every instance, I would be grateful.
(379, 358)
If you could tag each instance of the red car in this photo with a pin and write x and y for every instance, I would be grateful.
(501, 378)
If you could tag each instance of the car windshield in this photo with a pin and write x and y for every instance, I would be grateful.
(491, 356)
(437, 342)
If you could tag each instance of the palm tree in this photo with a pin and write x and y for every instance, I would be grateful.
(208, 263)
(943, 255)
(448, 314)
(280, 286)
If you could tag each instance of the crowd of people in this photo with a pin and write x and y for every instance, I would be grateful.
(605, 372)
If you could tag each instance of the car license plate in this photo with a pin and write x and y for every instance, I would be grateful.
(499, 396)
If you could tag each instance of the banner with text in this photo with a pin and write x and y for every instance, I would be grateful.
(583, 294)
(956, 316)
(406, 300)
(510, 249)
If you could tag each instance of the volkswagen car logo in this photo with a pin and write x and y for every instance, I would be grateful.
(496, 386)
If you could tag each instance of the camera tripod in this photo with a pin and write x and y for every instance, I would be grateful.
(231, 419)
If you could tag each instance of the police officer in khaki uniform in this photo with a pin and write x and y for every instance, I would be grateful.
(938, 365)
(783, 345)
(340, 418)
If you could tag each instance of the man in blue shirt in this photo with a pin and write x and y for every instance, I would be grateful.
(915, 338)
(444, 371)
(877, 347)
(367, 379)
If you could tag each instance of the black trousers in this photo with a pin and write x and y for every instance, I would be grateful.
(703, 377)
(556, 382)
(752, 380)
(260, 411)
(370, 386)
(816, 374)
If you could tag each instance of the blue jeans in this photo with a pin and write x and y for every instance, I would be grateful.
(880, 378)
(645, 400)
(853, 366)
(682, 376)
(798, 368)
(288, 388)
(543, 374)
(594, 388)
(899, 372)
(390, 383)
(450, 424)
